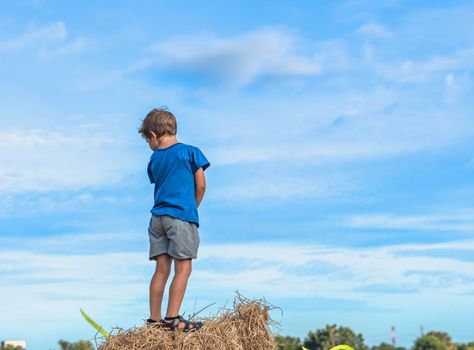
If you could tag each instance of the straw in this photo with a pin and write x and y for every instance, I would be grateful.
(244, 327)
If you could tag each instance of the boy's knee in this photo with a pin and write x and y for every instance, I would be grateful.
(163, 264)
(165, 271)
(183, 267)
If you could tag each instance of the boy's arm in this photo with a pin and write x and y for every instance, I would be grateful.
(200, 185)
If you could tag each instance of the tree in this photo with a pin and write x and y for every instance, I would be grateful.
(288, 343)
(445, 338)
(434, 340)
(428, 342)
(331, 335)
(80, 345)
(12, 347)
(386, 346)
(468, 346)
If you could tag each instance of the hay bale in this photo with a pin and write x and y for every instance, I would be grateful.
(244, 327)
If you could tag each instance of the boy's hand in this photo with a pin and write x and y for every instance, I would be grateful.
(199, 185)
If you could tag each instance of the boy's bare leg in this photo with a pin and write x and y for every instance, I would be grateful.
(182, 271)
(158, 283)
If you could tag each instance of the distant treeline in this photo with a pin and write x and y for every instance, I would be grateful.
(331, 335)
(326, 338)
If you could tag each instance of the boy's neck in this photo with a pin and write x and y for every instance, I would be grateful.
(166, 140)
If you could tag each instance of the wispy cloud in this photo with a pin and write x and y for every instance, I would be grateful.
(274, 186)
(373, 30)
(414, 71)
(274, 269)
(76, 46)
(240, 59)
(52, 33)
(329, 127)
(48, 41)
(461, 221)
(341, 272)
(55, 160)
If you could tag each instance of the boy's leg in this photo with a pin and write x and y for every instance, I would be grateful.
(158, 283)
(182, 271)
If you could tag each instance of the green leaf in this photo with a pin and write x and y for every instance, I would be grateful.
(95, 325)
(341, 347)
(337, 347)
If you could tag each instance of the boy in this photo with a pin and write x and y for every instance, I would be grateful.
(177, 170)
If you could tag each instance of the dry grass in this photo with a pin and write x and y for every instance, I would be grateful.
(244, 327)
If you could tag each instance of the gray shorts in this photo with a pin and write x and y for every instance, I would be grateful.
(178, 238)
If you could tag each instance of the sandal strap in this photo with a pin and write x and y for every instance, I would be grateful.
(175, 323)
(172, 317)
(188, 325)
(191, 325)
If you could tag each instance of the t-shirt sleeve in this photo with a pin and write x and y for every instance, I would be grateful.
(150, 173)
(198, 160)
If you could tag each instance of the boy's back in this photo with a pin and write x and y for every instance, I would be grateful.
(172, 170)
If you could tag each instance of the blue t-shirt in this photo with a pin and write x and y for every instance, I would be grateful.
(172, 171)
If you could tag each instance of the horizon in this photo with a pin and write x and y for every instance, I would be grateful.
(340, 138)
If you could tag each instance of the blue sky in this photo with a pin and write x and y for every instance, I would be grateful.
(340, 137)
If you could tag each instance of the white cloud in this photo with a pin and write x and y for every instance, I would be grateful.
(460, 222)
(61, 159)
(339, 272)
(73, 242)
(341, 119)
(241, 59)
(422, 71)
(452, 246)
(457, 85)
(113, 287)
(76, 46)
(373, 30)
(326, 127)
(276, 270)
(449, 79)
(53, 33)
(272, 185)
(48, 41)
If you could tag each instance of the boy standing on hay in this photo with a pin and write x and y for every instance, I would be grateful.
(177, 170)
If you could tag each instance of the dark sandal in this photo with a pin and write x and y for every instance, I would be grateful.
(189, 326)
(156, 324)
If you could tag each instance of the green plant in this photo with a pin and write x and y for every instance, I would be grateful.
(95, 325)
(337, 347)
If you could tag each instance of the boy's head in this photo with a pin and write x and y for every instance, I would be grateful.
(158, 122)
